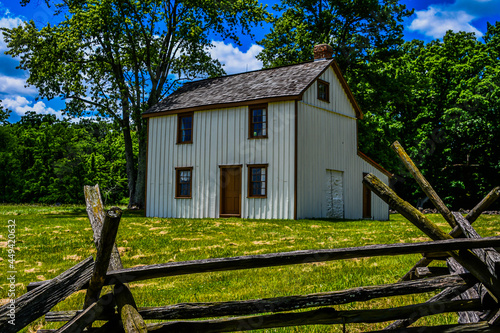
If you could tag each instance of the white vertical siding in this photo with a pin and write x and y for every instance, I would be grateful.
(327, 141)
(338, 98)
(220, 137)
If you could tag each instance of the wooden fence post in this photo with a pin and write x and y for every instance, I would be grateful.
(457, 231)
(131, 319)
(108, 235)
(424, 184)
(90, 314)
(465, 258)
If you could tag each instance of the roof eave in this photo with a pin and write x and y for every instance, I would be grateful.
(222, 105)
(343, 82)
(375, 164)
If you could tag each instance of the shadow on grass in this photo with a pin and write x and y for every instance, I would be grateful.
(81, 212)
(342, 220)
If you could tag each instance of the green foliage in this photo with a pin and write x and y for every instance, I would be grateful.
(45, 160)
(119, 58)
(441, 103)
(440, 99)
(4, 114)
(358, 31)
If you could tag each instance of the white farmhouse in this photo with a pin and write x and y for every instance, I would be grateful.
(276, 143)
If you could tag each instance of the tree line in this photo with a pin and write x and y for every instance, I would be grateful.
(118, 58)
(46, 160)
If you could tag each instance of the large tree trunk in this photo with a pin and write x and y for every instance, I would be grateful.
(130, 161)
(140, 184)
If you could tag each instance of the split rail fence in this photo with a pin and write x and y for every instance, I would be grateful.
(470, 285)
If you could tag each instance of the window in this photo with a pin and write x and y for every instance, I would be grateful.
(185, 128)
(258, 122)
(183, 181)
(257, 181)
(323, 91)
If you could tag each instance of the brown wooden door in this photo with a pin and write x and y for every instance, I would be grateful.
(367, 201)
(230, 191)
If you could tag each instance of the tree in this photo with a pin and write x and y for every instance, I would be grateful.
(118, 58)
(364, 34)
(46, 160)
(358, 31)
(442, 104)
(4, 114)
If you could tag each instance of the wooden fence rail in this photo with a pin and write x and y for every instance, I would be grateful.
(286, 258)
(39, 301)
(472, 289)
(290, 303)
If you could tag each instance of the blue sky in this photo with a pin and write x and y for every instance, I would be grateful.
(432, 18)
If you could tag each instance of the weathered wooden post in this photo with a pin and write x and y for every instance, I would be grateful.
(461, 226)
(424, 184)
(80, 321)
(131, 319)
(465, 258)
(106, 243)
(93, 307)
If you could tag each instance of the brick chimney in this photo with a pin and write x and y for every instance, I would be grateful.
(322, 51)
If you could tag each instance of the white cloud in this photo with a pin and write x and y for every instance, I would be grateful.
(435, 22)
(14, 85)
(234, 60)
(7, 22)
(20, 105)
(456, 16)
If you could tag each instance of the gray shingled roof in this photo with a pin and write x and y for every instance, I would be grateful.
(285, 81)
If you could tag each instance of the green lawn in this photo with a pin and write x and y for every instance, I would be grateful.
(52, 239)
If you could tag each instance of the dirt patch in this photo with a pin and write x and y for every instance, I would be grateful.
(75, 257)
(200, 248)
(139, 256)
(263, 242)
(420, 239)
(255, 252)
(122, 250)
(186, 239)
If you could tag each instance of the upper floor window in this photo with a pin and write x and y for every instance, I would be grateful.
(183, 181)
(185, 128)
(257, 181)
(258, 122)
(323, 91)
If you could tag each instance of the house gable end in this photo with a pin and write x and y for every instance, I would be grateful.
(340, 101)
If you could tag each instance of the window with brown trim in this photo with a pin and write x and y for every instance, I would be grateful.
(323, 91)
(183, 182)
(258, 122)
(257, 181)
(185, 128)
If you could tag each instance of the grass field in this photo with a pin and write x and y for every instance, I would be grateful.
(52, 239)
